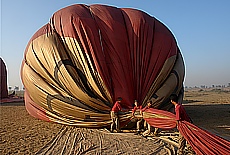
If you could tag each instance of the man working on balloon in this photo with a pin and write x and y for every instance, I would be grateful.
(139, 119)
(114, 115)
(181, 115)
(147, 125)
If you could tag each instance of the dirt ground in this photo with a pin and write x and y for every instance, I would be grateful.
(22, 134)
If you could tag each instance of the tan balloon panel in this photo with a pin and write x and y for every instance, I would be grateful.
(173, 83)
(41, 80)
(82, 60)
(47, 63)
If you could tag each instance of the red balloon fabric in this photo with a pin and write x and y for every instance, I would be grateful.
(3, 78)
(202, 141)
(159, 118)
(33, 109)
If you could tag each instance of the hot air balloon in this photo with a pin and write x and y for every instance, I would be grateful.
(76, 65)
(4, 91)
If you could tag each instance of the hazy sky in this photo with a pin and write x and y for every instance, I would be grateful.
(201, 28)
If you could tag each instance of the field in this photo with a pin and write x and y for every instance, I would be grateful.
(23, 134)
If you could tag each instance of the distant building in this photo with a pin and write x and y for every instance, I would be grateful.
(203, 86)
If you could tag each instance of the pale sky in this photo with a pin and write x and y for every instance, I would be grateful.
(201, 28)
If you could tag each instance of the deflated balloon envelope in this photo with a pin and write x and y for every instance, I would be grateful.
(76, 65)
(3, 80)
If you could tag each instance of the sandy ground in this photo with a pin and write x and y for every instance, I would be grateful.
(73, 140)
(23, 134)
